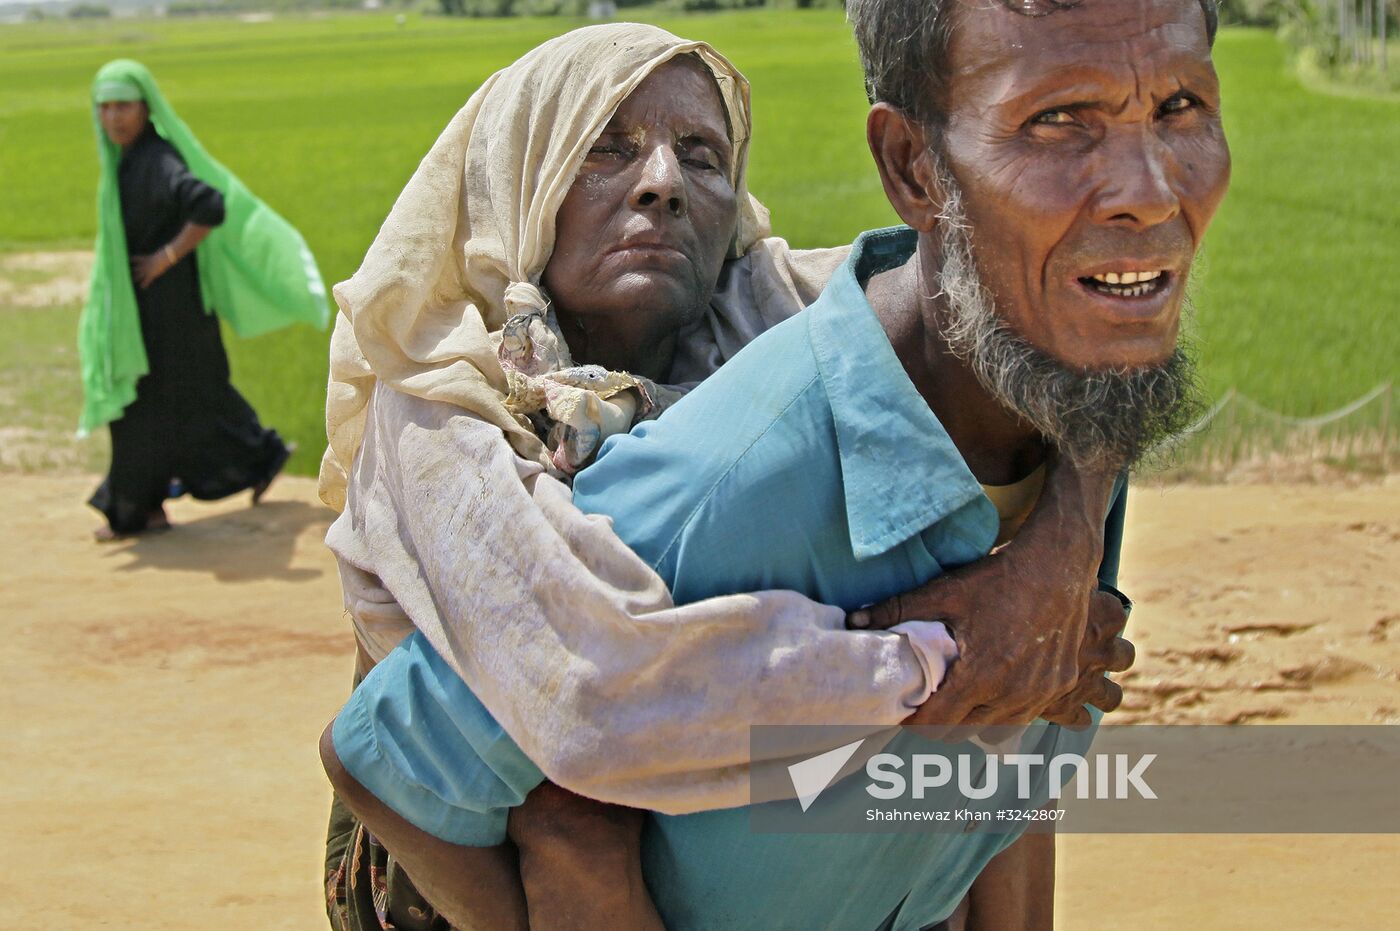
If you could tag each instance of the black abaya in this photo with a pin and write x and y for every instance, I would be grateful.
(187, 421)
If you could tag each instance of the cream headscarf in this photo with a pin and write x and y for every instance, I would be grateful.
(466, 242)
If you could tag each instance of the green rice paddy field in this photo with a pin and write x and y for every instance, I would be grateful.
(326, 118)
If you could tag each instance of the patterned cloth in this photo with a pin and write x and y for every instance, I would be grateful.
(366, 889)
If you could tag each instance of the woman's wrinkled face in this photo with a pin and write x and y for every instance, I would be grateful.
(648, 222)
(123, 120)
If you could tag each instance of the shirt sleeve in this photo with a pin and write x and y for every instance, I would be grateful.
(573, 644)
(197, 201)
(404, 734)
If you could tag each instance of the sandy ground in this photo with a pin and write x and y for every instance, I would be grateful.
(163, 697)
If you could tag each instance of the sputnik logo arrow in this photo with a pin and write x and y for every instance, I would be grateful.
(811, 777)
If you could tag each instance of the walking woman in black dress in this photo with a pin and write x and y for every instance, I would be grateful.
(159, 376)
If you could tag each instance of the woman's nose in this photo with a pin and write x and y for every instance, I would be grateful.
(660, 183)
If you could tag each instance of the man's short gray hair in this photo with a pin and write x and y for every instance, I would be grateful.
(904, 47)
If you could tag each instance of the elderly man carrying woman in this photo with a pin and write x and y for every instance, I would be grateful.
(588, 205)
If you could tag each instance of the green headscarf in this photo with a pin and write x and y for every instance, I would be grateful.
(254, 269)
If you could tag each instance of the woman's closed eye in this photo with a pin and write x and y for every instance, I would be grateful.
(699, 154)
(608, 149)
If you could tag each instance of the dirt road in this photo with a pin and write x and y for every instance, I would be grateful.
(163, 698)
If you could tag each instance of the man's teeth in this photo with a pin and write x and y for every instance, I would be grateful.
(1127, 284)
(1127, 277)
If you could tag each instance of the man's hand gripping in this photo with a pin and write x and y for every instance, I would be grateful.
(1035, 635)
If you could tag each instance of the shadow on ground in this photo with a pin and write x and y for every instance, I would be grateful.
(252, 544)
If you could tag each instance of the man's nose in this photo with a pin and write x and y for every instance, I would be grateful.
(1137, 192)
(660, 183)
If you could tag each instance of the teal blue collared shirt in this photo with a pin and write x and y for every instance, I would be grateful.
(809, 462)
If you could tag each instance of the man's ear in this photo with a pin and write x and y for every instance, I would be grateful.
(901, 146)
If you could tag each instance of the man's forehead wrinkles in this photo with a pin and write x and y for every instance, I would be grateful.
(1071, 84)
(1072, 74)
(1092, 30)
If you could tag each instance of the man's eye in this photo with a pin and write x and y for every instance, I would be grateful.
(1053, 118)
(606, 148)
(1177, 104)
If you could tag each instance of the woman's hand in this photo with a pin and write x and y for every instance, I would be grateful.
(147, 268)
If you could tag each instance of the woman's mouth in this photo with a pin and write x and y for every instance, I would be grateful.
(650, 247)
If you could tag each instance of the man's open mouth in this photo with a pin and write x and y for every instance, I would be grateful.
(1128, 284)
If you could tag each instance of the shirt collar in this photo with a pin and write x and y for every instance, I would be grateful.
(900, 471)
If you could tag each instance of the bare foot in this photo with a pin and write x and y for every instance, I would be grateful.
(156, 522)
(105, 534)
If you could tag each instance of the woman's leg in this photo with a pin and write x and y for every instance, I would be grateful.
(224, 449)
(222, 446)
(130, 497)
(472, 887)
(581, 863)
(1016, 890)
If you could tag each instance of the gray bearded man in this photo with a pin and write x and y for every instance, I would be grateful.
(1056, 165)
